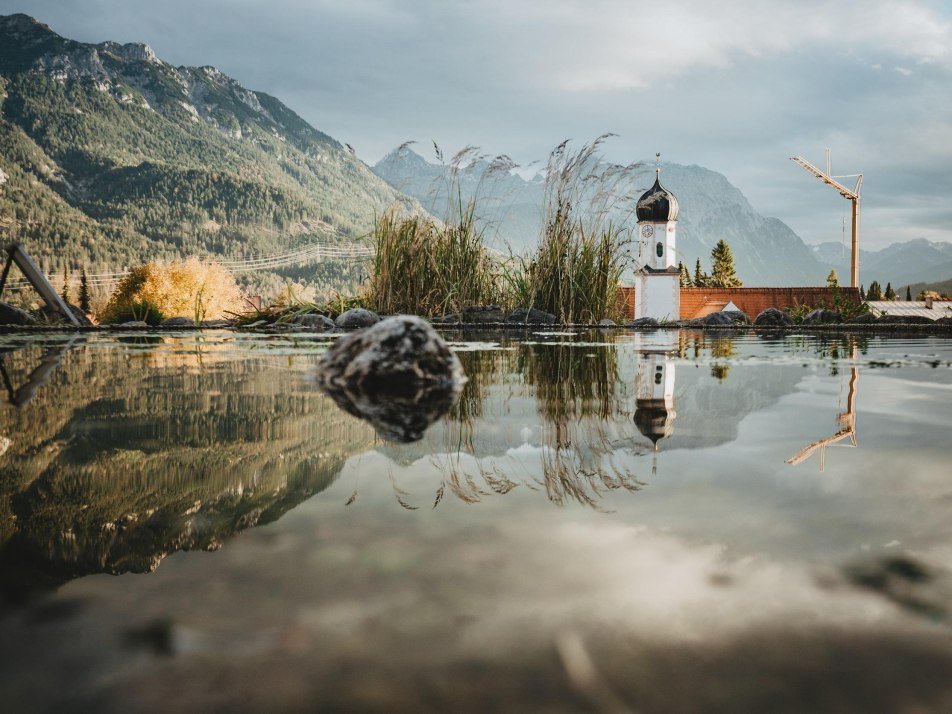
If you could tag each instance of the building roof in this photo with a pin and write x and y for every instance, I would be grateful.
(940, 308)
(657, 204)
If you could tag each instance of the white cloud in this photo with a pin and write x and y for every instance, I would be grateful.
(903, 71)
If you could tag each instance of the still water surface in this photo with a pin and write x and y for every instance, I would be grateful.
(603, 522)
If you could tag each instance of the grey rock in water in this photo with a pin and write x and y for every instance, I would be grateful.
(483, 314)
(772, 317)
(822, 316)
(356, 318)
(399, 375)
(314, 321)
(904, 320)
(607, 323)
(644, 322)
(135, 323)
(530, 316)
(946, 321)
(80, 316)
(177, 322)
(216, 323)
(10, 315)
(865, 318)
(715, 319)
(453, 318)
(738, 316)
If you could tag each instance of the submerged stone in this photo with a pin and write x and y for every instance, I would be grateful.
(398, 374)
(530, 316)
(483, 313)
(822, 317)
(177, 322)
(644, 322)
(315, 322)
(356, 318)
(772, 317)
(10, 315)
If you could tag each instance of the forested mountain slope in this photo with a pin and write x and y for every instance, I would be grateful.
(112, 156)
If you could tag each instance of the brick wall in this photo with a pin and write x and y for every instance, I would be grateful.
(697, 302)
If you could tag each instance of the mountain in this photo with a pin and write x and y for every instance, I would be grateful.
(112, 156)
(915, 261)
(766, 251)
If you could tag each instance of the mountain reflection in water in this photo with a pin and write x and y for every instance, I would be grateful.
(119, 454)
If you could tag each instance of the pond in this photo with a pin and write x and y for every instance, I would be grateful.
(617, 521)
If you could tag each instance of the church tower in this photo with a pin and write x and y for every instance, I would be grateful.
(657, 282)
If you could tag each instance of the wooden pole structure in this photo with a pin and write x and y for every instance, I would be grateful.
(853, 196)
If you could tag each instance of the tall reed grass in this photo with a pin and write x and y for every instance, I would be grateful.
(575, 271)
(424, 267)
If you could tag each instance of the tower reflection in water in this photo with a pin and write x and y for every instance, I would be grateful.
(654, 386)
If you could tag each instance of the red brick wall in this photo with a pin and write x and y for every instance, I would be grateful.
(697, 302)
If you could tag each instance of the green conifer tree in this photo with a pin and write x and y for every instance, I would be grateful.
(908, 294)
(862, 292)
(700, 277)
(832, 280)
(890, 294)
(65, 293)
(84, 293)
(685, 276)
(723, 274)
(875, 292)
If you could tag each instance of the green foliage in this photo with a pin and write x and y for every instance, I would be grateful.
(908, 294)
(700, 277)
(684, 276)
(84, 296)
(65, 292)
(832, 280)
(875, 292)
(723, 274)
(890, 294)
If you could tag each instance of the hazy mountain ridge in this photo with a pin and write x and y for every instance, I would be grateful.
(915, 261)
(766, 251)
(216, 168)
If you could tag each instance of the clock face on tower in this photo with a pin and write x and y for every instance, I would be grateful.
(647, 231)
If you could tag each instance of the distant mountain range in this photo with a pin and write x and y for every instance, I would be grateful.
(766, 250)
(915, 261)
(111, 156)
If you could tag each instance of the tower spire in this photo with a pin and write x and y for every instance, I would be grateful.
(658, 164)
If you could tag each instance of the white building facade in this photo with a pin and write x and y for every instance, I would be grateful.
(657, 281)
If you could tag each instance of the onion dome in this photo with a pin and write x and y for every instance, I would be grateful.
(654, 419)
(658, 204)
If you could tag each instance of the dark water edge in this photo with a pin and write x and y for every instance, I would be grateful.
(188, 524)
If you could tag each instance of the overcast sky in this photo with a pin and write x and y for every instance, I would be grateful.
(736, 86)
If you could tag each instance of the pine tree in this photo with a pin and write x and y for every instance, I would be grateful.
(84, 293)
(700, 277)
(65, 294)
(723, 274)
(908, 294)
(685, 276)
(862, 292)
(875, 292)
(890, 294)
(832, 280)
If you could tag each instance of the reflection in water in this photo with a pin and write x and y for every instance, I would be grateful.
(125, 456)
(846, 421)
(131, 452)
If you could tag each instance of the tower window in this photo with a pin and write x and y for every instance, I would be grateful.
(660, 249)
